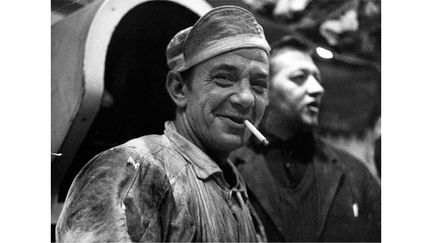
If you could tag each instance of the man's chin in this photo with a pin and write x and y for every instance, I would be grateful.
(310, 122)
(230, 142)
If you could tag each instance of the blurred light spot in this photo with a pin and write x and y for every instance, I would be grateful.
(324, 53)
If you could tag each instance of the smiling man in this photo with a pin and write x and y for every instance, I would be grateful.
(302, 189)
(179, 186)
(232, 87)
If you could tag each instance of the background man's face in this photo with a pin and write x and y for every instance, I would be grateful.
(226, 90)
(295, 89)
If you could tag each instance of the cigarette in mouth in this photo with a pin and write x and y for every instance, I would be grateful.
(255, 132)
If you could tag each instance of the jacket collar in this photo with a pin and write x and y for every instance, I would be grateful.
(328, 171)
(202, 164)
(259, 181)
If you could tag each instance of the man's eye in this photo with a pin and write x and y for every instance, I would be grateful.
(299, 78)
(224, 79)
(260, 85)
(224, 76)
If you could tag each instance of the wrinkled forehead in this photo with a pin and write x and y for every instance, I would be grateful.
(253, 54)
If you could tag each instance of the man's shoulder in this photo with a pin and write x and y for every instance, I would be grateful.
(145, 145)
(132, 152)
(150, 154)
(350, 162)
(112, 180)
(353, 167)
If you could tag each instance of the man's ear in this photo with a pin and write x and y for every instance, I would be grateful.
(175, 85)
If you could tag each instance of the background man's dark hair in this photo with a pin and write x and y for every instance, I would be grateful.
(291, 42)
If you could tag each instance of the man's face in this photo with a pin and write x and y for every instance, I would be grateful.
(295, 90)
(226, 90)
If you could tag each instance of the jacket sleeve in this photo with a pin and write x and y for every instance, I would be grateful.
(115, 198)
(372, 192)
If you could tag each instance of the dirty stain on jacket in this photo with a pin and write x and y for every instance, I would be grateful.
(157, 188)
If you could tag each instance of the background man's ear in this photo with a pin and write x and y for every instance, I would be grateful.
(175, 86)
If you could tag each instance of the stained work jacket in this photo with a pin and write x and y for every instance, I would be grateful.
(157, 188)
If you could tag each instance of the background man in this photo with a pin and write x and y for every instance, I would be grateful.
(302, 189)
(179, 186)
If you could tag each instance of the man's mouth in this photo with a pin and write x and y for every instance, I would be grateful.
(236, 120)
(313, 106)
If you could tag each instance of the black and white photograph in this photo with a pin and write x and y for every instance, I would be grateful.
(216, 121)
(225, 121)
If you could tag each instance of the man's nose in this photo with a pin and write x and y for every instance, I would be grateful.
(314, 87)
(243, 97)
